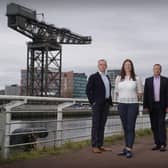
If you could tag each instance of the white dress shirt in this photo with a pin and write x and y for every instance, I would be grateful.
(106, 84)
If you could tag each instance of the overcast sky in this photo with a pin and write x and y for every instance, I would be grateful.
(120, 29)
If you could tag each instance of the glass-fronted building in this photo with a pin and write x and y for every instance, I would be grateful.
(79, 85)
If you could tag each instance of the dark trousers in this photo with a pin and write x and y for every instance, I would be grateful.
(158, 126)
(128, 114)
(99, 117)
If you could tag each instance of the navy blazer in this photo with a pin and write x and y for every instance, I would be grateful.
(95, 89)
(149, 93)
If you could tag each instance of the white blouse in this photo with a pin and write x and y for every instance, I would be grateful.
(126, 90)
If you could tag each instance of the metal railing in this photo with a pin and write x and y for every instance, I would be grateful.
(57, 129)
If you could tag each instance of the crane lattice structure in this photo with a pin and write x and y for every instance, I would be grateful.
(44, 52)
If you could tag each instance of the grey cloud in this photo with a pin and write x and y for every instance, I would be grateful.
(90, 3)
(120, 29)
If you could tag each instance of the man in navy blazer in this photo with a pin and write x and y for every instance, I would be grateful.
(156, 103)
(98, 91)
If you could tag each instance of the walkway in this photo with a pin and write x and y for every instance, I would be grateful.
(84, 158)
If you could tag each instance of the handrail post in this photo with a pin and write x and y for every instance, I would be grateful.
(59, 125)
(141, 115)
(6, 132)
(60, 120)
(7, 121)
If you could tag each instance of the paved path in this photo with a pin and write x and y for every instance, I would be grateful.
(84, 158)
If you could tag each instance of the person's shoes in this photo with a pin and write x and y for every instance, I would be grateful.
(129, 154)
(156, 148)
(103, 149)
(96, 150)
(163, 148)
(123, 152)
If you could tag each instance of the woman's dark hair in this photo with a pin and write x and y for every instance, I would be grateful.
(123, 73)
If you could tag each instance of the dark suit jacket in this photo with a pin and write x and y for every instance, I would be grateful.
(149, 93)
(95, 89)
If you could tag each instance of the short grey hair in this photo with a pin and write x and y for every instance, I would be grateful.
(102, 60)
(158, 65)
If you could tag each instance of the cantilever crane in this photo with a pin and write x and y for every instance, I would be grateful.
(44, 53)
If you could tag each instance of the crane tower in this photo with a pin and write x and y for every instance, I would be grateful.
(44, 52)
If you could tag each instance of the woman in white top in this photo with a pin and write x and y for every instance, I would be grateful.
(128, 89)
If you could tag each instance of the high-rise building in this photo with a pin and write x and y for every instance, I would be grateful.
(23, 82)
(72, 84)
(51, 85)
(112, 73)
(2, 92)
(67, 84)
(79, 85)
(12, 89)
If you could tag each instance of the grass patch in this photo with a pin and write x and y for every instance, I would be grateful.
(143, 132)
(116, 138)
(113, 139)
(68, 147)
(46, 151)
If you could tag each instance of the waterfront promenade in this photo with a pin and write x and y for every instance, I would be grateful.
(144, 157)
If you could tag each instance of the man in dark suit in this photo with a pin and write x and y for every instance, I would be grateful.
(98, 91)
(156, 103)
